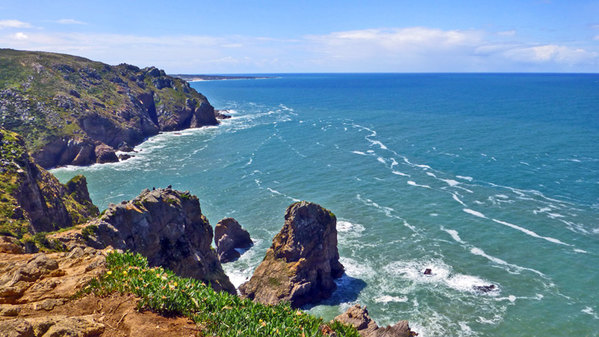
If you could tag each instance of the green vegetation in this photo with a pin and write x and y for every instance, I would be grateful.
(45, 96)
(219, 313)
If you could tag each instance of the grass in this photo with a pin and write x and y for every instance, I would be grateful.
(218, 313)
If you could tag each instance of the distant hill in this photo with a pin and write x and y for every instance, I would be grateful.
(71, 110)
(188, 77)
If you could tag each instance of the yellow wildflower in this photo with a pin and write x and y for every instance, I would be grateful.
(109, 272)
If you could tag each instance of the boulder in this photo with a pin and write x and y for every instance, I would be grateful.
(229, 235)
(302, 262)
(167, 227)
(105, 154)
(358, 317)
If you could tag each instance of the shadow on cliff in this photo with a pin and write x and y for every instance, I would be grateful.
(348, 289)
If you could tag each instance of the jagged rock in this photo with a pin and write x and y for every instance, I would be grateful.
(229, 235)
(16, 328)
(358, 317)
(105, 154)
(168, 228)
(36, 200)
(302, 262)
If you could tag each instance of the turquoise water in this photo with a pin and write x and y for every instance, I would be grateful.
(483, 178)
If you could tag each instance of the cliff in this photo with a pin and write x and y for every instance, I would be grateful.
(72, 110)
(31, 199)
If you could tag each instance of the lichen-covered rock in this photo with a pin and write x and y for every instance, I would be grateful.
(67, 106)
(105, 154)
(358, 317)
(303, 261)
(229, 235)
(31, 199)
(167, 227)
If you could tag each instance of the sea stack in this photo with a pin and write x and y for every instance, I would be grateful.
(303, 261)
(228, 235)
(357, 316)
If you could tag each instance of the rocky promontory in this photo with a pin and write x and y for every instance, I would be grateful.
(167, 227)
(302, 262)
(74, 111)
(358, 317)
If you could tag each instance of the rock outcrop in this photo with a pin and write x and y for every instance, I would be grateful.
(358, 317)
(303, 261)
(229, 235)
(167, 227)
(31, 199)
(36, 300)
(74, 111)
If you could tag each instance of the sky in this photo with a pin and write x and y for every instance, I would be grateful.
(284, 36)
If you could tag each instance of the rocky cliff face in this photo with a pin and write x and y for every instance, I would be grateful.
(229, 235)
(168, 228)
(76, 111)
(31, 199)
(302, 262)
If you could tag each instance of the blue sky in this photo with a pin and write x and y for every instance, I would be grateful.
(314, 36)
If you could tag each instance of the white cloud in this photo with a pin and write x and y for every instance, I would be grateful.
(13, 24)
(507, 33)
(70, 22)
(551, 53)
(413, 49)
(20, 36)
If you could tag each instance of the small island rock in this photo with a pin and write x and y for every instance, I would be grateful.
(303, 261)
(358, 317)
(229, 235)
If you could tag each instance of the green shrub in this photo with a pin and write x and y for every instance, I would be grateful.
(219, 313)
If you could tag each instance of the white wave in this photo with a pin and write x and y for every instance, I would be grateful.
(580, 251)
(412, 183)
(450, 182)
(541, 210)
(442, 274)
(590, 311)
(346, 226)
(387, 299)
(381, 159)
(475, 213)
(356, 269)
(431, 174)
(400, 173)
(454, 234)
(393, 162)
(465, 178)
(376, 142)
(360, 153)
(456, 198)
(407, 161)
(274, 191)
(531, 233)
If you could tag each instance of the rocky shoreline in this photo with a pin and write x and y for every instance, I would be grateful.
(54, 242)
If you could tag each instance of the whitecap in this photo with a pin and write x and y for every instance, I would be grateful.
(454, 234)
(386, 299)
(412, 183)
(531, 233)
(590, 311)
(465, 178)
(475, 213)
(456, 198)
(580, 251)
(451, 182)
(381, 159)
(346, 226)
(400, 173)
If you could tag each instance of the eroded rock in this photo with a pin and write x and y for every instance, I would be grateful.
(303, 261)
(229, 235)
(168, 228)
(358, 317)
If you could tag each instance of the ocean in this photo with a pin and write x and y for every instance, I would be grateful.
(486, 179)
